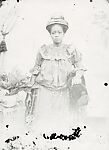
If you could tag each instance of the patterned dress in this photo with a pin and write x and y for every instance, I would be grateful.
(54, 67)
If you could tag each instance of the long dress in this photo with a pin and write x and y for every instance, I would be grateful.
(52, 108)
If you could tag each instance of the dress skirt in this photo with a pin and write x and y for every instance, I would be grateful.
(52, 111)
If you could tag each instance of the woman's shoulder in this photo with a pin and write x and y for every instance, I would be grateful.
(70, 48)
(43, 50)
(46, 51)
(73, 50)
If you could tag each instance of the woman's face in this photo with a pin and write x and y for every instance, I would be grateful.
(57, 34)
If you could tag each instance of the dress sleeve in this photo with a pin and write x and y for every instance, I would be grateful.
(75, 58)
(78, 61)
(36, 69)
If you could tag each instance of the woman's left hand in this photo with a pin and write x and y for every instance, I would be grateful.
(76, 80)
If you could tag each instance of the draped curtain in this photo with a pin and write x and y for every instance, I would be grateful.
(8, 17)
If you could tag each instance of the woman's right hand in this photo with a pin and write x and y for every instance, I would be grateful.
(28, 100)
(76, 80)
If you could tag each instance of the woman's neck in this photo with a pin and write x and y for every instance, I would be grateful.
(57, 44)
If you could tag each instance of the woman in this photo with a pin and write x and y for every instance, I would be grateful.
(57, 71)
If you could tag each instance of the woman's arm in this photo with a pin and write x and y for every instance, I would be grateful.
(35, 72)
(79, 68)
(36, 69)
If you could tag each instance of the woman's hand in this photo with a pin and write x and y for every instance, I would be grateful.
(76, 80)
(28, 100)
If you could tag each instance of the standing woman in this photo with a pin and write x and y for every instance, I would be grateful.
(58, 89)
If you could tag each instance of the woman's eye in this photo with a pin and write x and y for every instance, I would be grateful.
(53, 33)
(59, 32)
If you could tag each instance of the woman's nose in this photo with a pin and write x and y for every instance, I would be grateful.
(56, 35)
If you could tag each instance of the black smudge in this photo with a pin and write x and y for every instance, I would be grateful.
(12, 139)
(76, 134)
(34, 143)
(84, 127)
(106, 84)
